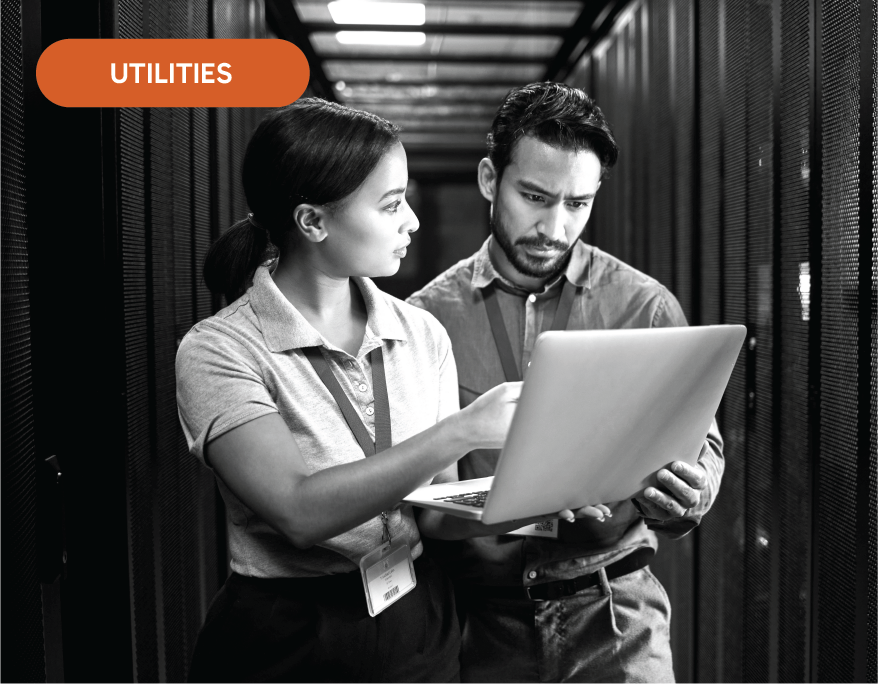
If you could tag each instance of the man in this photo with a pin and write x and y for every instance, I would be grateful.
(582, 606)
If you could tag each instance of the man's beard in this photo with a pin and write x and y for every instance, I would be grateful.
(524, 263)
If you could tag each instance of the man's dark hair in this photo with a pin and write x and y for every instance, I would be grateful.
(556, 114)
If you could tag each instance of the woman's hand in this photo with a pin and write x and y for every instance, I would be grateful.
(600, 512)
(486, 421)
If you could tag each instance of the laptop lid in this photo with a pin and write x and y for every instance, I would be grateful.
(601, 411)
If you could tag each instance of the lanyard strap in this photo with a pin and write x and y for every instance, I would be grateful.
(355, 423)
(498, 325)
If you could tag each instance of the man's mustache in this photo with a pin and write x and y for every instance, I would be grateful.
(543, 242)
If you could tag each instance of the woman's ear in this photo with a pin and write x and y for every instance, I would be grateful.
(487, 179)
(310, 222)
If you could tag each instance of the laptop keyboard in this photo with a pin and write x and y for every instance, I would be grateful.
(476, 499)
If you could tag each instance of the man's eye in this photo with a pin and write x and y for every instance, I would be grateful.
(533, 198)
(578, 205)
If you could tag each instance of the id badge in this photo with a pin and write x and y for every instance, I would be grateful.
(547, 528)
(388, 575)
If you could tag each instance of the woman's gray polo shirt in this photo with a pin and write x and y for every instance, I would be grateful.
(247, 361)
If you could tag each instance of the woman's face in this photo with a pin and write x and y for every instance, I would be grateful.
(368, 234)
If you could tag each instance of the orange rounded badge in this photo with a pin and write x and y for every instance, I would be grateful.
(172, 73)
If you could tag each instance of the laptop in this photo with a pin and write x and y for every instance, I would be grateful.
(600, 413)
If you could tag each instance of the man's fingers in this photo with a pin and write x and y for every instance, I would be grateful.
(693, 475)
(685, 495)
(670, 507)
(649, 510)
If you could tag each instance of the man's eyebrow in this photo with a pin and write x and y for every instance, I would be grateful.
(533, 187)
(395, 191)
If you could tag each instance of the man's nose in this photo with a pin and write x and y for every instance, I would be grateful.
(552, 223)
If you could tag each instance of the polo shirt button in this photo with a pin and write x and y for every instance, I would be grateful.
(369, 411)
(532, 574)
(362, 387)
(532, 299)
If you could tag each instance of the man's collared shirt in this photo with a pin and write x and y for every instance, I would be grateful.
(247, 361)
(610, 295)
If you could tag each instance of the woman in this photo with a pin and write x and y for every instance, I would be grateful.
(284, 392)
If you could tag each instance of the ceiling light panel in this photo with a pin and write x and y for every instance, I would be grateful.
(364, 12)
(421, 93)
(329, 45)
(537, 47)
(541, 13)
(412, 38)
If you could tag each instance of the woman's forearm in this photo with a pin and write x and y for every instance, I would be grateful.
(262, 465)
(331, 501)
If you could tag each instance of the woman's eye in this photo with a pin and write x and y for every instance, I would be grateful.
(392, 208)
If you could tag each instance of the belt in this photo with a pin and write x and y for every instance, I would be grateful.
(549, 591)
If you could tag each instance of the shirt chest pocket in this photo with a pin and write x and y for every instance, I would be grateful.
(478, 370)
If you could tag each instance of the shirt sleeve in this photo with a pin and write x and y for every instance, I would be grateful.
(670, 314)
(449, 399)
(219, 387)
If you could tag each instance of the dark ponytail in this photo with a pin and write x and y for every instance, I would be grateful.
(311, 151)
(233, 258)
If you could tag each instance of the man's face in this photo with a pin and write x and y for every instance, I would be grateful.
(541, 204)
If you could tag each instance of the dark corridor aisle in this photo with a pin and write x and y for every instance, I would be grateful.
(747, 183)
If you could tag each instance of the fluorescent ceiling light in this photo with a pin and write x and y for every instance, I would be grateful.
(362, 12)
(380, 38)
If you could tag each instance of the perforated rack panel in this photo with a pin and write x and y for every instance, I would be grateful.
(838, 351)
(175, 164)
(794, 504)
(22, 609)
(773, 179)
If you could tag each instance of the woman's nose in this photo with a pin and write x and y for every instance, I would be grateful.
(411, 223)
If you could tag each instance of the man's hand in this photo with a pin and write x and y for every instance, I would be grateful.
(680, 488)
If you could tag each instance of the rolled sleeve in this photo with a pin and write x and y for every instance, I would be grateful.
(714, 464)
(669, 314)
(219, 387)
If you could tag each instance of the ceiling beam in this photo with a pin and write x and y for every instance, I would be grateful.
(590, 27)
(282, 18)
(445, 29)
(401, 57)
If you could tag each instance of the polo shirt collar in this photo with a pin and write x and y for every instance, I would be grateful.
(283, 327)
(578, 269)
